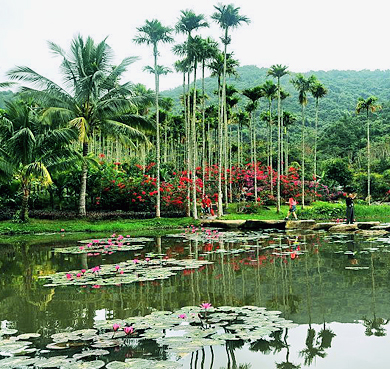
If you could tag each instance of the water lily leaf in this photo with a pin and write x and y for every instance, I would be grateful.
(26, 336)
(88, 353)
(95, 364)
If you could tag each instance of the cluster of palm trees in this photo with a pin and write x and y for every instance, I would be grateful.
(93, 102)
(42, 131)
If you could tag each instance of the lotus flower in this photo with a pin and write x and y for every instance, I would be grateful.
(115, 327)
(69, 276)
(83, 271)
(117, 267)
(205, 305)
(128, 330)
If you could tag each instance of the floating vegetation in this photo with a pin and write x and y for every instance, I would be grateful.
(100, 246)
(129, 271)
(181, 332)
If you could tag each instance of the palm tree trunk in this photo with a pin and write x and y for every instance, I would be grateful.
(315, 143)
(368, 162)
(24, 207)
(203, 131)
(303, 156)
(158, 159)
(279, 153)
(83, 184)
(220, 147)
(189, 151)
(194, 146)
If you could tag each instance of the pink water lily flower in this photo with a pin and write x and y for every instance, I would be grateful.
(115, 327)
(128, 330)
(182, 316)
(117, 267)
(206, 305)
(69, 276)
(83, 271)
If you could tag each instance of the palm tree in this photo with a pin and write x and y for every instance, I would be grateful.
(253, 94)
(153, 33)
(31, 148)
(318, 91)
(208, 51)
(368, 105)
(227, 17)
(278, 71)
(270, 91)
(288, 120)
(303, 85)
(92, 100)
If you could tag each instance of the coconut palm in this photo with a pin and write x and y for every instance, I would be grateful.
(278, 71)
(153, 33)
(228, 17)
(92, 99)
(31, 148)
(368, 105)
(318, 91)
(303, 85)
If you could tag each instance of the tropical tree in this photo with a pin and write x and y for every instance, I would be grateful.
(92, 99)
(270, 91)
(228, 17)
(152, 33)
(30, 147)
(368, 105)
(278, 71)
(253, 94)
(303, 85)
(318, 91)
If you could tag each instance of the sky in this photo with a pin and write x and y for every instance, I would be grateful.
(305, 35)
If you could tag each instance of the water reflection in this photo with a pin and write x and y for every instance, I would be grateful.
(313, 279)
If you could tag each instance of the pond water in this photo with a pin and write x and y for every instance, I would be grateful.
(325, 299)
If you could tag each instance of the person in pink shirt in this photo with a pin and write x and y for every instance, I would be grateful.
(292, 208)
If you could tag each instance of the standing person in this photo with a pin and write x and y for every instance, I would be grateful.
(292, 208)
(350, 212)
(205, 205)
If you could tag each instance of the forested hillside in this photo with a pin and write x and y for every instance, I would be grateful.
(344, 88)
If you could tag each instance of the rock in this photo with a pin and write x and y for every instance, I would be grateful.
(226, 224)
(257, 224)
(323, 226)
(367, 225)
(344, 228)
(300, 224)
(383, 226)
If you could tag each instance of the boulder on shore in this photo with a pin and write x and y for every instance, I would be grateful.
(257, 224)
(300, 224)
(344, 228)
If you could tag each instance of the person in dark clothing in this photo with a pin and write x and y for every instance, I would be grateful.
(350, 212)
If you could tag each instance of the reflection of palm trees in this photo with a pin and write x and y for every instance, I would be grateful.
(374, 326)
(286, 364)
(310, 352)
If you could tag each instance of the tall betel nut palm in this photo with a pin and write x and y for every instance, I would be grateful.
(368, 105)
(152, 33)
(92, 99)
(278, 71)
(318, 91)
(303, 85)
(228, 17)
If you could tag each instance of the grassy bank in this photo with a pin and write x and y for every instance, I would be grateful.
(141, 226)
(320, 211)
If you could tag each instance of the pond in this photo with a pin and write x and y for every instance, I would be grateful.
(199, 298)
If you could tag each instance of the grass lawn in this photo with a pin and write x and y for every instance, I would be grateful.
(320, 211)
